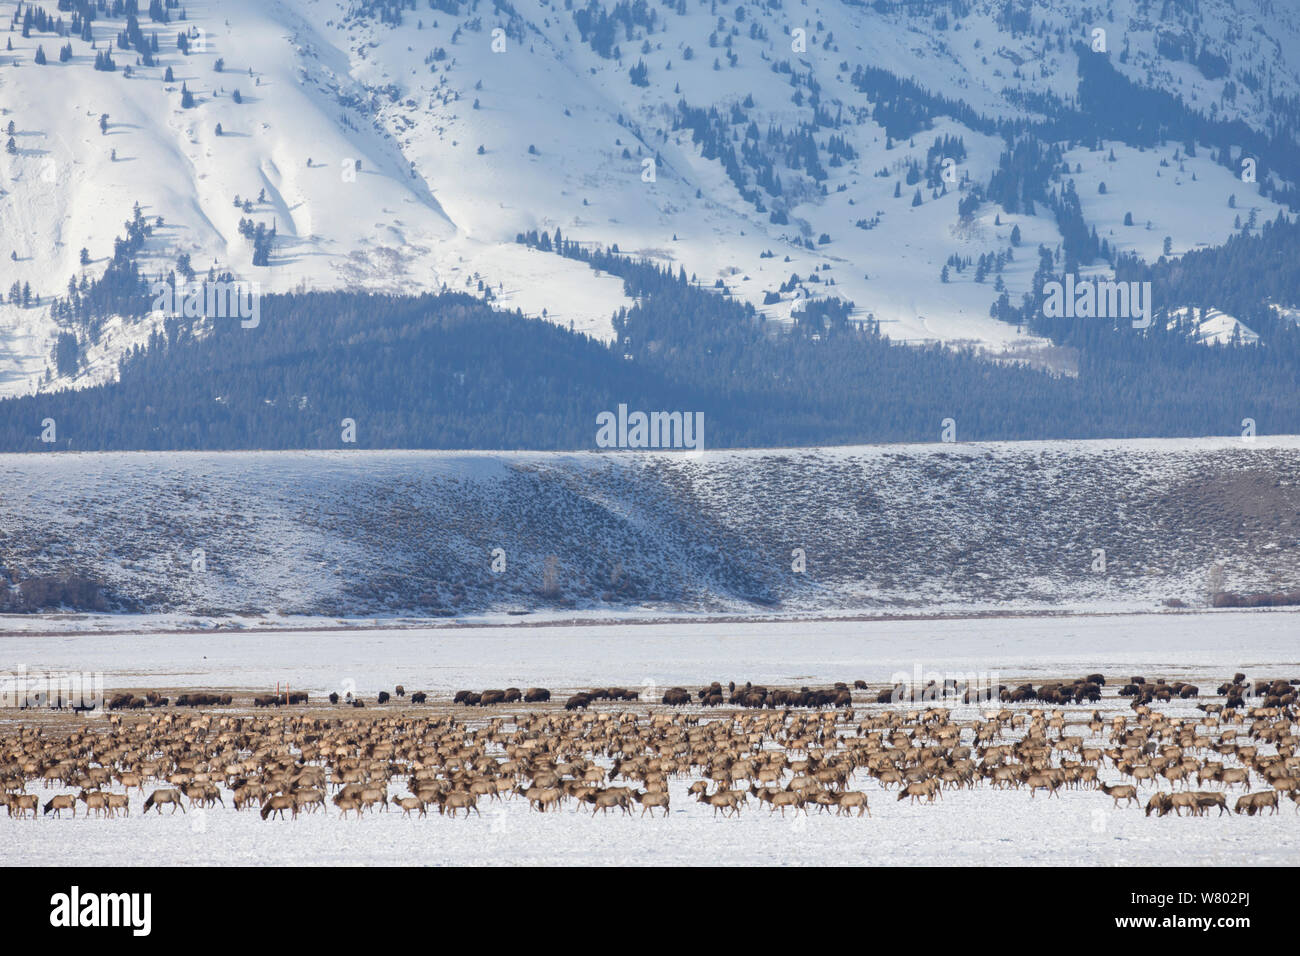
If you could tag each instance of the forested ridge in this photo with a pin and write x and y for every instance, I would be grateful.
(448, 371)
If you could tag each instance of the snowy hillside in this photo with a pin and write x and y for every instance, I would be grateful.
(890, 528)
(404, 146)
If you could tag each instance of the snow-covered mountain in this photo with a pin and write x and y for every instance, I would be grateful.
(997, 527)
(403, 146)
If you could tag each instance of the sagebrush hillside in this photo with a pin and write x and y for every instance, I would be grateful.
(997, 527)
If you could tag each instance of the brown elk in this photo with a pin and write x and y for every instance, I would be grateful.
(159, 797)
(1253, 803)
(96, 801)
(853, 798)
(1126, 792)
(308, 800)
(1235, 775)
(727, 801)
(346, 804)
(1206, 799)
(649, 801)
(276, 804)
(60, 803)
(541, 798)
(1042, 781)
(603, 801)
(928, 789)
(457, 800)
(410, 803)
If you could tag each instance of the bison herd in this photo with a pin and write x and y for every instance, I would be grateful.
(728, 747)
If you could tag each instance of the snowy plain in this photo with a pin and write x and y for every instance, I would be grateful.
(968, 827)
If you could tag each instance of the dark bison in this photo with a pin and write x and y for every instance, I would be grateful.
(677, 696)
(537, 695)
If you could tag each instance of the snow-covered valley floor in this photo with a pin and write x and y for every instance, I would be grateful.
(967, 827)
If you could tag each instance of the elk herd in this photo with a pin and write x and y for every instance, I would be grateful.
(787, 751)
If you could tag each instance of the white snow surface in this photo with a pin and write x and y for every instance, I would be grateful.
(968, 827)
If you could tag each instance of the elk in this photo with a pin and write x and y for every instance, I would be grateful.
(541, 798)
(1125, 792)
(457, 800)
(410, 803)
(1253, 803)
(308, 800)
(60, 803)
(277, 804)
(118, 801)
(1206, 799)
(159, 797)
(928, 789)
(853, 798)
(346, 804)
(650, 800)
(603, 801)
(727, 801)
(780, 799)
(95, 800)
(1042, 781)
(1234, 775)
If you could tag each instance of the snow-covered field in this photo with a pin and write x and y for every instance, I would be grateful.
(967, 827)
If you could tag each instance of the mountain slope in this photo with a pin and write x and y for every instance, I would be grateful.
(474, 122)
